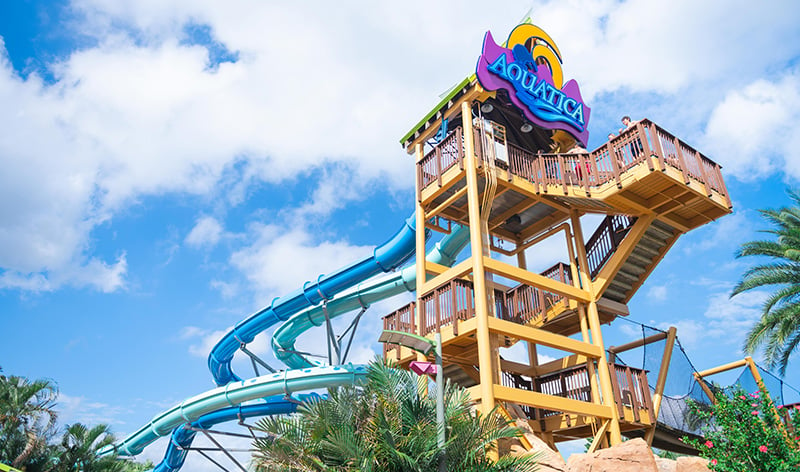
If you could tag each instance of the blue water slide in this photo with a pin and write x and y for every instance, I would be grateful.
(384, 258)
(182, 436)
(379, 288)
(361, 296)
(232, 395)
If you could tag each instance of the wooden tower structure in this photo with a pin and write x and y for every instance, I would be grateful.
(480, 163)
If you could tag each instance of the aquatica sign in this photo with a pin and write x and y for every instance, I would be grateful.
(531, 74)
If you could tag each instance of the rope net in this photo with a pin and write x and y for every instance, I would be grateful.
(682, 386)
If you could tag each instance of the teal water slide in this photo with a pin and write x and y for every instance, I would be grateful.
(349, 289)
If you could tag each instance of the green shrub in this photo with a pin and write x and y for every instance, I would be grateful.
(743, 433)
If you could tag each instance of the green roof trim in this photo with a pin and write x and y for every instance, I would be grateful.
(452, 93)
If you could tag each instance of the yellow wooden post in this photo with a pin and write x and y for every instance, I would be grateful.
(485, 361)
(662, 381)
(522, 262)
(422, 275)
(615, 436)
(576, 281)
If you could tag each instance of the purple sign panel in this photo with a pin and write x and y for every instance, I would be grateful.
(530, 87)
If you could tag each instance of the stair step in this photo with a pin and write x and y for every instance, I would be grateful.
(633, 270)
(662, 229)
(620, 286)
(639, 260)
(648, 247)
(615, 295)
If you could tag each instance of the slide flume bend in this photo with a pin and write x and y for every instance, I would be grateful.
(362, 295)
(235, 393)
(384, 258)
(444, 252)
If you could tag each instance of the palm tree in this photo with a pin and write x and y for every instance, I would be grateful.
(387, 425)
(778, 330)
(27, 418)
(79, 446)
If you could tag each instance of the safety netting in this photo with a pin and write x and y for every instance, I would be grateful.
(682, 387)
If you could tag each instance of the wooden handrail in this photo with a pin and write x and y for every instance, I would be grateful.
(638, 144)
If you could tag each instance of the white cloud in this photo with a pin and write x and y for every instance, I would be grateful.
(80, 410)
(206, 233)
(657, 293)
(203, 339)
(753, 129)
(280, 260)
(316, 85)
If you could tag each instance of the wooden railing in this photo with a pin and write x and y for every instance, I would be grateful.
(403, 320)
(442, 157)
(632, 390)
(644, 142)
(605, 240)
(455, 300)
(629, 386)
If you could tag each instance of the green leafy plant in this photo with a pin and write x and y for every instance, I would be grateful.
(389, 424)
(743, 432)
(778, 330)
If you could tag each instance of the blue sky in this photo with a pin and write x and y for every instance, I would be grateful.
(171, 166)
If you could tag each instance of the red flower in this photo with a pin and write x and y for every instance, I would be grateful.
(709, 444)
(762, 448)
(713, 462)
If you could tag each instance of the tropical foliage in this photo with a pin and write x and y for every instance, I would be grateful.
(743, 432)
(778, 330)
(29, 435)
(387, 425)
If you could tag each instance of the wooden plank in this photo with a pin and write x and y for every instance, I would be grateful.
(544, 338)
(459, 270)
(560, 364)
(536, 280)
(550, 402)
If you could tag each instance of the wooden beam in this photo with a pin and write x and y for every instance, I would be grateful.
(536, 280)
(637, 343)
(521, 206)
(517, 368)
(560, 364)
(542, 337)
(723, 368)
(550, 402)
(620, 256)
(445, 204)
(459, 270)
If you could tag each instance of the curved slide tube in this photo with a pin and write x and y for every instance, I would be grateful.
(366, 293)
(385, 257)
(234, 394)
(183, 436)
(362, 295)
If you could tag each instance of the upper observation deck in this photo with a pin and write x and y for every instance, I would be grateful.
(643, 170)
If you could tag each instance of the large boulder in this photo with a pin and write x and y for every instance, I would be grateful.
(691, 464)
(631, 456)
(549, 460)
(666, 465)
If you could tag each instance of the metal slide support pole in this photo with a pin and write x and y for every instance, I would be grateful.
(440, 403)
(334, 352)
(224, 451)
(354, 326)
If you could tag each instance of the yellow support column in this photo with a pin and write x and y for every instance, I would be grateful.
(422, 276)
(485, 361)
(593, 316)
